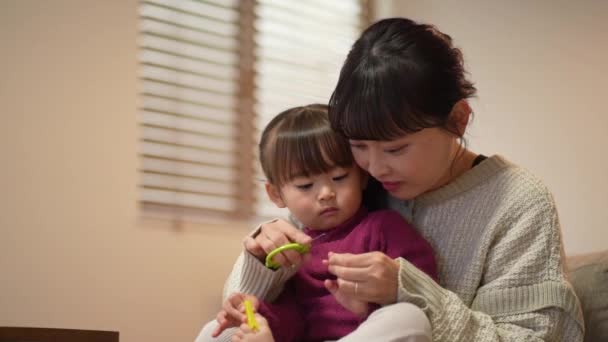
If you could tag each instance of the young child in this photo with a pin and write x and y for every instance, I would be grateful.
(311, 171)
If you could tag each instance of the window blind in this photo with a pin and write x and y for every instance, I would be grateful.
(300, 47)
(189, 69)
(212, 74)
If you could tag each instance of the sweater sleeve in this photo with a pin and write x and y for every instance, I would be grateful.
(523, 295)
(249, 275)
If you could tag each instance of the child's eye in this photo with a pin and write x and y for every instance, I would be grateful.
(304, 186)
(341, 177)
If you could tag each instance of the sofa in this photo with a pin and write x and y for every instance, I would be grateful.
(589, 276)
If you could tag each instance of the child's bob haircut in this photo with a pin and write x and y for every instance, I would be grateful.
(300, 142)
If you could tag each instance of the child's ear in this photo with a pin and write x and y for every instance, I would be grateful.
(275, 195)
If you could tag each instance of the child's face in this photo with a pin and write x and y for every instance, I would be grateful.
(322, 201)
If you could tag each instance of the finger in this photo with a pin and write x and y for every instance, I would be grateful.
(261, 319)
(270, 240)
(292, 258)
(294, 234)
(221, 326)
(268, 245)
(352, 260)
(353, 289)
(232, 306)
(286, 258)
(245, 328)
(221, 316)
(237, 337)
(253, 247)
(349, 273)
(331, 286)
(255, 302)
(217, 331)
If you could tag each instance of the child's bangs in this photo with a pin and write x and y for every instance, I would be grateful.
(310, 152)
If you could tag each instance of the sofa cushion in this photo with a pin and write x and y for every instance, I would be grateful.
(589, 276)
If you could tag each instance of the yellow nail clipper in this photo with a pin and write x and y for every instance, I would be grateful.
(251, 321)
(298, 247)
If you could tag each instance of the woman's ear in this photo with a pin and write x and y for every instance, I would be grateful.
(459, 116)
(275, 195)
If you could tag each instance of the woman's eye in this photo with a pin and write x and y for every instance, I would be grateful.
(341, 177)
(357, 146)
(397, 149)
(304, 186)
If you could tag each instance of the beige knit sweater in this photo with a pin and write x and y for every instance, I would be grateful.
(496, 236)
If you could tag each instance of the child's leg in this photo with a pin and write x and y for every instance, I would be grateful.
(205, 334)
(240, 334)
(401, 322)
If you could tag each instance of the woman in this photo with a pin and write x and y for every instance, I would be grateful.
(401, 100)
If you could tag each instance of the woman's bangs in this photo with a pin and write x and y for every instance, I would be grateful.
(378, 105)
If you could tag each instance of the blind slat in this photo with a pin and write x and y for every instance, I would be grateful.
(176, 183)
(195, 96)
(226, 87)
(196, 12)
(187, 154)
(311, 13)
(162, 135)
(182, 33)
(225, 72)
(219, 117)
(186, 124)
(187, 200)
(198, 51)
(171, 167)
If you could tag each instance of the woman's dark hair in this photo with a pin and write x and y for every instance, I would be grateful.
(399, 77)
(301, 142)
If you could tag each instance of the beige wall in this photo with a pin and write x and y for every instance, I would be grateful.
(540, 68)
(73, 252)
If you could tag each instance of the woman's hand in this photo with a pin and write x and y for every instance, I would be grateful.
(369, 277)
(274, 234)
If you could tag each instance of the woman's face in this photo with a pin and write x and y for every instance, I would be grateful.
(411, 165)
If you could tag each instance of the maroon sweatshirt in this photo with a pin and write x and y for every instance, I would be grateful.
(306, 310)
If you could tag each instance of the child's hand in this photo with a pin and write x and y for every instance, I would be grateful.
(233, 312)
(245, 334)
(274, 234)
(357, 306)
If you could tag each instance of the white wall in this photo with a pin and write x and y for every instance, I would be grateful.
(540, 68)
(73, 251)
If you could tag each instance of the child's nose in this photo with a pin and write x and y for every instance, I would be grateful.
(327, 192)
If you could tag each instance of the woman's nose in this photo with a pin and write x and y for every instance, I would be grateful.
(376, 166)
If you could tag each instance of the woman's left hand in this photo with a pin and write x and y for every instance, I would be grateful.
(370, 277)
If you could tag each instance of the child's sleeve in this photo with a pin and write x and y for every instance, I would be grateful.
(283, 315)
(398, 238)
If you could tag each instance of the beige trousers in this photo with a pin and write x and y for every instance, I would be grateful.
(401, 322)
